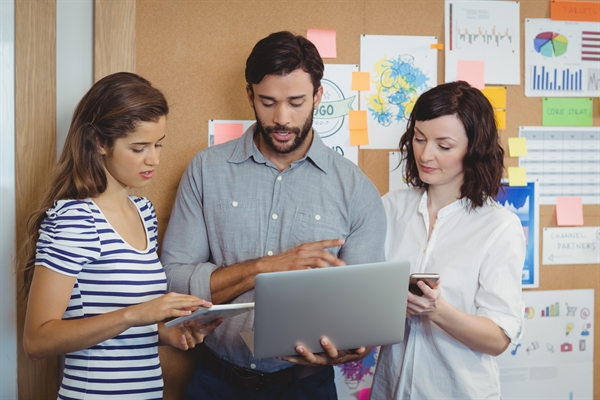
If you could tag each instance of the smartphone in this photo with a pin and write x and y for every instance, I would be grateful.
(430, 278)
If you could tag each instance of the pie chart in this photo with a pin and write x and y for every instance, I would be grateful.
(550, 44)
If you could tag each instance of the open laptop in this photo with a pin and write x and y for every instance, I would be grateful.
(354, 306)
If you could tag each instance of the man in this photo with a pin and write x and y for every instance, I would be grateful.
(276, 199)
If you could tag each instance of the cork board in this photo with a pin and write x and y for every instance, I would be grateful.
(196, 50)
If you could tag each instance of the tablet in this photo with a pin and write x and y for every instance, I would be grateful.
(206, 315)
(354, 306)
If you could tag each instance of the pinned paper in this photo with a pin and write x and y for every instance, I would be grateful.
(569, 211)
(226, 132)
(324, 41)
(437, 46)
(471, 72)
(517, 146)
(567, 111)
(496, 96)
(361, 81)
(358, 125)
(575, 11)
(359, 137)
(500, 119)
(517, 176)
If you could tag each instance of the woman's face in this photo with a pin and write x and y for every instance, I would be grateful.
(131, 161)
(440, 146)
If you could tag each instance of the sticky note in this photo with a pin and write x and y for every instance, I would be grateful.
(324, 41)
(226, 132)
(569, 211)
(437, 46)
(471, 72)
(575, 11)
(557, 111)
(517, 146)
(359, 137)
(517, 176)
(357, 119)
(496, 96)
(500, 119)
(361, 81)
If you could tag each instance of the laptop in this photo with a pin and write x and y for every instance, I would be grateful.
(354, 306)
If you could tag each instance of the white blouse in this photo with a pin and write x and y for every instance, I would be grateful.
(479, 255)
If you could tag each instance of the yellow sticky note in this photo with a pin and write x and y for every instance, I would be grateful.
(361, 81)
(517, 176)
(500, 115)
(496, 96)
(569, 211)
(357, 120)
(437, 46)
(359, 137)
(517, 146)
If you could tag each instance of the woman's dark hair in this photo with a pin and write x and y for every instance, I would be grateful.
(484, 162)
(112, 108)
(281, 53)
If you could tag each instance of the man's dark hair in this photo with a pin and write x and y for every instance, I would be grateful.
(484, 162)
(281, 53)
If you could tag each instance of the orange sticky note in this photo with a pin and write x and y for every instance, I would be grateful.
(324, 41)
(517, 146)
(500, 115)
(575, 11)
(361, 81)
(357, 120)
(569, 211)
(438, 46)
(517, 176)
(359, 137)
(496, 95)
(471, 72)
(227, 132)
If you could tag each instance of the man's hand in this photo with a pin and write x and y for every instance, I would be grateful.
(331, 356)
(308, 255)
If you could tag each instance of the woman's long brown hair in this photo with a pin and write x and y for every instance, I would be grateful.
(111, 109)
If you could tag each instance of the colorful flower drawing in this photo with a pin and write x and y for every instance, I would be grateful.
(354, 372)
(397, 84)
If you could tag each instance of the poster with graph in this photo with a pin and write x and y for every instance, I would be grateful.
(555, 357)
(401, 68)
(562, 58)
(485, 31)
(524, 202)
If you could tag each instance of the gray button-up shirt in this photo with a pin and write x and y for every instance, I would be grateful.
(234, 205)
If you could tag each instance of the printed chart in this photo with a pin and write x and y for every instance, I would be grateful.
(562, 58)
(564, 160)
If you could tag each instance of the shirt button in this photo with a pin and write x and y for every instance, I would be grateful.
(269, 253)
(235, 204)
(253, 366)
(274, 216)
(279, 178)
(317, 217)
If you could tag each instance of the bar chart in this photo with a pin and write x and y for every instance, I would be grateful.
(567, 79)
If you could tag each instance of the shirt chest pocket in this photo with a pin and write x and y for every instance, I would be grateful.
(236, 224)
(309, 226)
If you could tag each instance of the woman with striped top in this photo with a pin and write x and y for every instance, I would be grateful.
(95, 284)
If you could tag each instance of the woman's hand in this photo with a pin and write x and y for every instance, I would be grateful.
(428, 303)
(167, 306)
(187, 335)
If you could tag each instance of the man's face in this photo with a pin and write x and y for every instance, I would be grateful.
(283, 106)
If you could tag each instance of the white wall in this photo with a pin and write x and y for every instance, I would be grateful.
(8, 307)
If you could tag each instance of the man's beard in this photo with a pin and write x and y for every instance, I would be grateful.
(300, 135)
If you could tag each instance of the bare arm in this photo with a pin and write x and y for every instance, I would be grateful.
(46, 334)
(229, 282)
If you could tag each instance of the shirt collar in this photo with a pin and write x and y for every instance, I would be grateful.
(460, 204)
(246, 148)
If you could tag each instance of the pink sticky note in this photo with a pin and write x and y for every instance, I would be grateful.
(226, 132)
(472, 72)
(569, 211)
(324, 40)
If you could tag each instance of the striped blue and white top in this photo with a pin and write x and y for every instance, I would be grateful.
(77, 240)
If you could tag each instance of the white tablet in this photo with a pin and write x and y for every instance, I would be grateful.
(206, 315)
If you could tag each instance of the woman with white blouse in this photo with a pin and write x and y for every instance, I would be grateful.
(448, 222)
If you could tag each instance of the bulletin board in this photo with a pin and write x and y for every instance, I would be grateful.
(195, 51)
